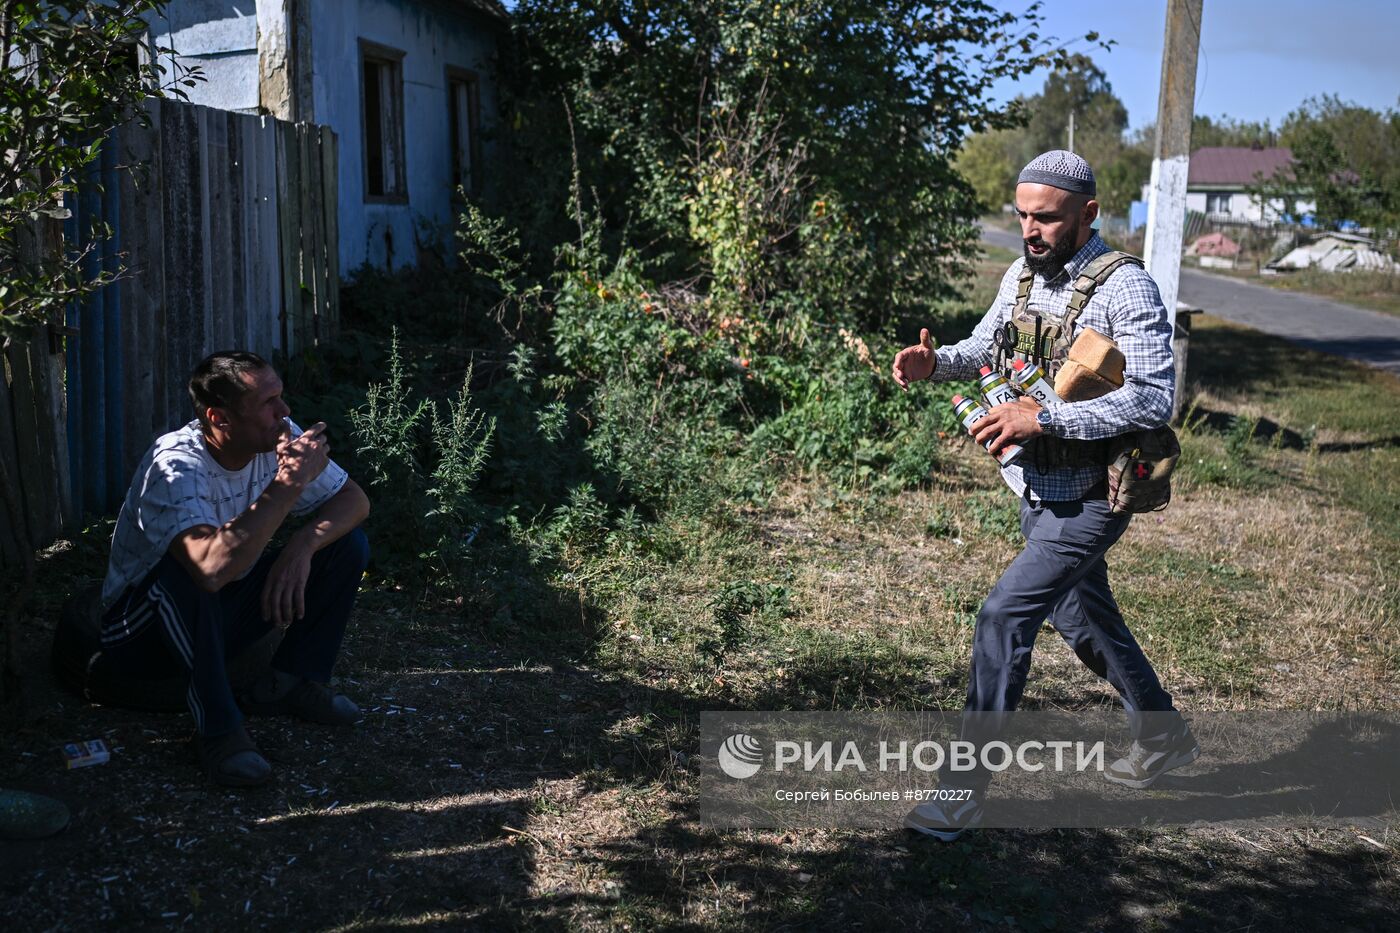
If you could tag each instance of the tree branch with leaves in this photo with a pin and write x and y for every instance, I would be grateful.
(74, 70)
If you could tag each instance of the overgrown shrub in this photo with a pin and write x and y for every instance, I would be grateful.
(750, 145)
(842, 417)
(421, 463)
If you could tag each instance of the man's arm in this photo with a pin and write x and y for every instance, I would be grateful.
(215, 556)
(343, 512)
(284, 593)
(965, 359)
(1143, 333)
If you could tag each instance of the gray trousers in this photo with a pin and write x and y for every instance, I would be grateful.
(1061, 574)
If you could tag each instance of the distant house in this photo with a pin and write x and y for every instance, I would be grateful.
(1218, 180)
(407, 85)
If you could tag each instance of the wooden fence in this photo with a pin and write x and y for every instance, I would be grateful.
(224, 225)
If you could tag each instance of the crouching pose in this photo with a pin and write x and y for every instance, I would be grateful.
(191, 582)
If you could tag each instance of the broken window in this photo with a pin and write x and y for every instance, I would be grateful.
(382, 91)
(463, 129)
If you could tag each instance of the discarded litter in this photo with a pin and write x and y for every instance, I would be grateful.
(91, 752)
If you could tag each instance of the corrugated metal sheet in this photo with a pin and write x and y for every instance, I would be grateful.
(218, 251)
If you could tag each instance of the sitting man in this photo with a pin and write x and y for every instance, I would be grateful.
(190, 582)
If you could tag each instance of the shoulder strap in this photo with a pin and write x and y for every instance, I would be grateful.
(1023, 291)
(1095, 274)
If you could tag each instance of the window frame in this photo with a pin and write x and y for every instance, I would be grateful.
(383, 55)
(452, 75)
(1216, 196)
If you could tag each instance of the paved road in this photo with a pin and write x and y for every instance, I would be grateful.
(1316, 323)
(1003, 238)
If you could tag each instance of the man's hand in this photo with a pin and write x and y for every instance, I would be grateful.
(914, 363)
(284, 591)
(1011, 423)
(301, 459)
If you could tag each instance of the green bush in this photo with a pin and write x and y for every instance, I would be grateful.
(732, 609)
(841, 416)
(421, 464)
(769, 148)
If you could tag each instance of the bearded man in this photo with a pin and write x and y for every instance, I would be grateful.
(1060, 479)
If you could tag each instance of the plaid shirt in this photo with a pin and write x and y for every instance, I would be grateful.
(1126, 308)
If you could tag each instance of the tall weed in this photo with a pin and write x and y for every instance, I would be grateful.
(422, 464)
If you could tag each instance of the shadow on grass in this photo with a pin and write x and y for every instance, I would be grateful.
(1210, 879)
(486, 721)
(1231, 358)
(1000, 879)
(471, 795)
(420, 814)
(1272, 434)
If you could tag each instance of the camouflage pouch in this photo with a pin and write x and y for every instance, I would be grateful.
(1140, 474)
(1030, 325)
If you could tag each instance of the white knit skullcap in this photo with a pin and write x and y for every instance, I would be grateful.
(1060, 168)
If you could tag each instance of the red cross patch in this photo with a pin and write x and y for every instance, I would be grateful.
(1140, 471)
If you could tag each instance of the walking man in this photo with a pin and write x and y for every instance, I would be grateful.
(190, 582)
(1061, 477)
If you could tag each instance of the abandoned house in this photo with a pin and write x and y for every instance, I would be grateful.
(408, 87)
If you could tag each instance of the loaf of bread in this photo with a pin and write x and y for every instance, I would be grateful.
(1094, 368)
(1078, 383)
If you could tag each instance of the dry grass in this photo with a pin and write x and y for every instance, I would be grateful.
(519, 779)
(1379, 291)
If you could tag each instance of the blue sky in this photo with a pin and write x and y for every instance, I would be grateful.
(1259, 58)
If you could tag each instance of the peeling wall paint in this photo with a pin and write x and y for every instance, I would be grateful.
(432, 38)
(221, 37)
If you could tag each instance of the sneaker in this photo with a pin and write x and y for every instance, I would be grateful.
(945, 819)
(1149, 760)
(307, 700)
(232, 760)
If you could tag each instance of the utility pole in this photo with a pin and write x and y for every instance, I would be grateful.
(1166, 207)
(1071, 131)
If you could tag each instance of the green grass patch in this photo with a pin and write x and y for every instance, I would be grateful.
(1379, 291)
(1325, 423)
(1299, 388)
(1194, 613)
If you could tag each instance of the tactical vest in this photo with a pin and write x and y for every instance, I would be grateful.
(1045, 343)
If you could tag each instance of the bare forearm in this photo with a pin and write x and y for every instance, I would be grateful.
(217, 556)
(342, 513)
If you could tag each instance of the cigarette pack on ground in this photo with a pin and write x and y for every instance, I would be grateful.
(82, 754)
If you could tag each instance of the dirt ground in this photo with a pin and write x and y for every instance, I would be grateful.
(537, 772)
(497, 785)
